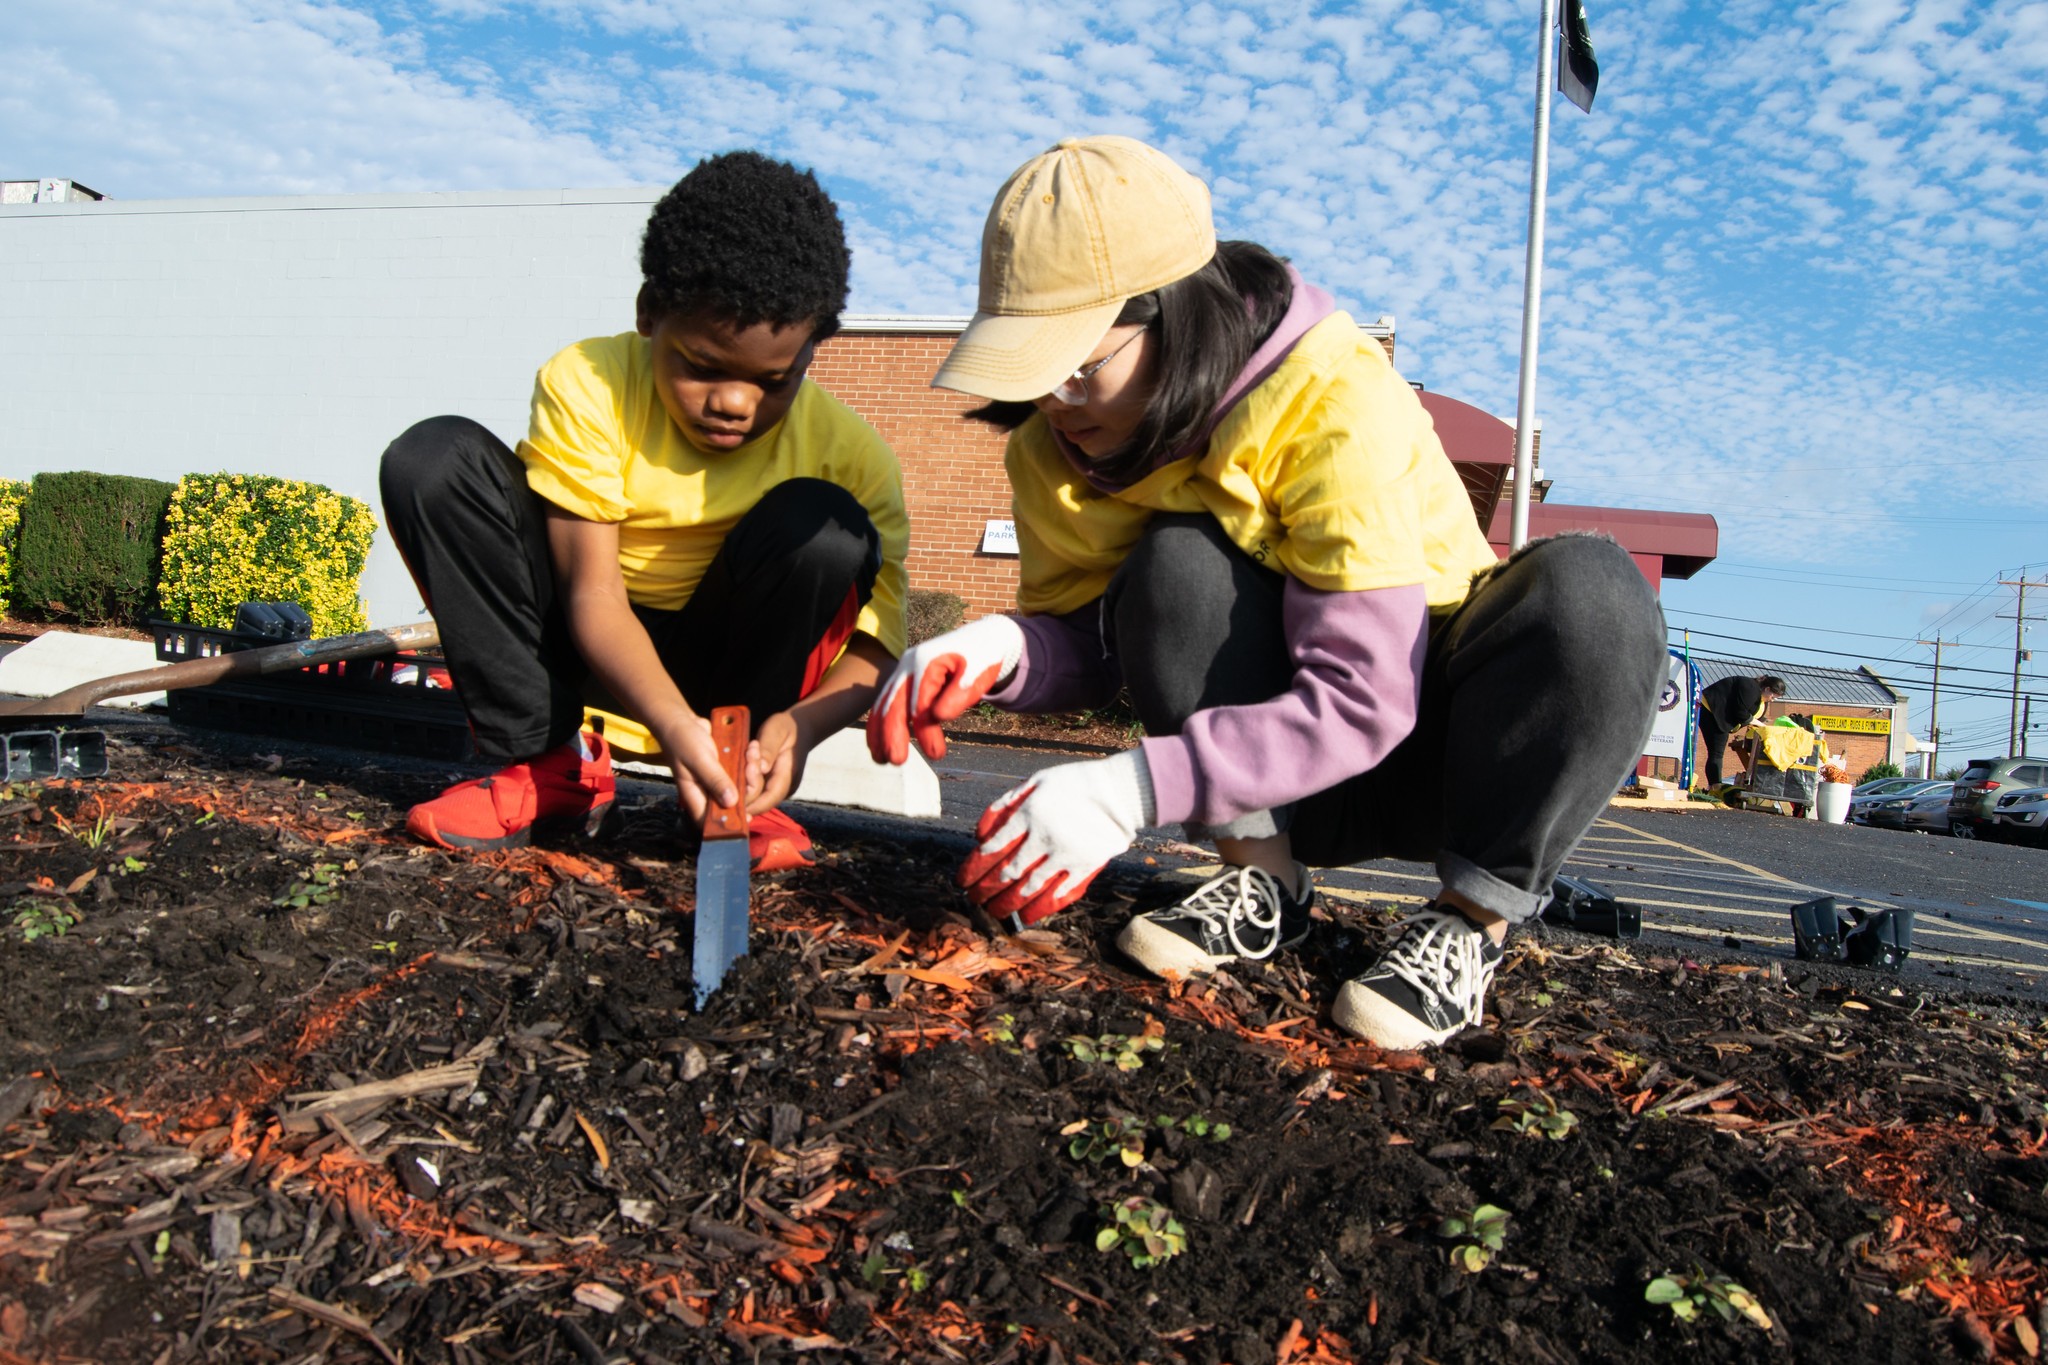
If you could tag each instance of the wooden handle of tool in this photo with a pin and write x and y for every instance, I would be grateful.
(730, 731)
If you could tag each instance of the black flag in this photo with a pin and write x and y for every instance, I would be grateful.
(1578, 74)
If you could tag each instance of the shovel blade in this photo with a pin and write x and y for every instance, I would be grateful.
(721, 937)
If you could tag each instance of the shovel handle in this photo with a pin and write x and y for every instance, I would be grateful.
(730, 731)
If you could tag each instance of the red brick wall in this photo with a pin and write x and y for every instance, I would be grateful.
(952, 468)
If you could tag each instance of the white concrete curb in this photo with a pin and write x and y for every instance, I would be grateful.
(840, 773)
(60, 660)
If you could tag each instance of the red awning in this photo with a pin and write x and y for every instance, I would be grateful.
(1686, 541)
(1481, 447)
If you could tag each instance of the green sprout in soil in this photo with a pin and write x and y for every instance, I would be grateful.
(1001, 1031)
(1689, 1296)
(131, 863)
(36, 920)
(1196, 1126)
(1145, 1229)
(322, 884)
(1097, 1142)
(1486, 1227)
(1540, 1115)
(1123, 1051)
(95, 835)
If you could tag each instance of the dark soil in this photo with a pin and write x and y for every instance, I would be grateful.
(288, 1088)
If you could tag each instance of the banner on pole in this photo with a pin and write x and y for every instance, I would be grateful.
(1578, 73)
(1671, 733)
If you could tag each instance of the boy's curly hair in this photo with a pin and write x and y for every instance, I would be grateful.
(749, 238)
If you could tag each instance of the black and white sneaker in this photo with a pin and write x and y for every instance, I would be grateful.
(1245, 915)
(1430, 986)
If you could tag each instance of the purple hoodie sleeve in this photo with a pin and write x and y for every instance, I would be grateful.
(1065, 667)
(1357, 672)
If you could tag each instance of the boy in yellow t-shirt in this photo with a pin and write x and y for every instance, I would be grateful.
(688, 524)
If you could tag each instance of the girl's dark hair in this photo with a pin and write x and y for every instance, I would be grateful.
(1205, 326)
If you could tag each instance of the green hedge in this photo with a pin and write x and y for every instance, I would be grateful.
(235, 538)
(13, 492)
(89, 547)
(930, 612)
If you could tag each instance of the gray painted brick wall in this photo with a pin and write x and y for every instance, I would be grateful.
(295, 336)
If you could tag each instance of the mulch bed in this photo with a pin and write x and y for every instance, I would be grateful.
(276, 1085)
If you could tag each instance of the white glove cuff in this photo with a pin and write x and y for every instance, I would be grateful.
(1006, 635)
(1127, 787)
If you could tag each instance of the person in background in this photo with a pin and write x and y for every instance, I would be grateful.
(689, 523)
(1228, 500)
(1727, 706)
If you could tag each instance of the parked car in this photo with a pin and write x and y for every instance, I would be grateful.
(1977, 790)
(1892, 793)
(1928, 811)
(2021, 817)
(1885, 785)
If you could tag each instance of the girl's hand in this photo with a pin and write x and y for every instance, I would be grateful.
(1043, 843)
(938, 681)
(700, 778)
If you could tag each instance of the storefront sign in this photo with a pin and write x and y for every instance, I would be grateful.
(1856, 725)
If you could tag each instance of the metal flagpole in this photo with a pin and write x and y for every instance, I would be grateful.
(1532, 287)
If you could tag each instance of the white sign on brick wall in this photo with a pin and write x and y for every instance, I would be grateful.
(999, 538)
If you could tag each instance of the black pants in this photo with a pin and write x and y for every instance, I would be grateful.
(1714, 735)
(1537, 696)
(474, 536)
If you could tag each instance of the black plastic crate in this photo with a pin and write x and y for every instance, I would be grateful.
(383, 704)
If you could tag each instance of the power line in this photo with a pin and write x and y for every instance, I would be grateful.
(1840, 653)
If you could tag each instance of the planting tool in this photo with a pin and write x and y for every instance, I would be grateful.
(722, 890)
(70, 704)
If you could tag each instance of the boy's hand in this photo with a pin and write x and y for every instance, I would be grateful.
(936, 682)
(1040, 845)
(694, 754)
(775, 762)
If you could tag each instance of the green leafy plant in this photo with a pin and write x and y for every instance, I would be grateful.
(1099, 1141)
(1539, 1115)
(319, 887)
(89, 545)
(95, 835)
(1001, 1031)
(1691, 1295)
(1880, 769)
(1196, 1126)
(232, 538)
(1480, 1233)
(37, 919)
(13, 493)
(131, 863)
(1144, 1229)
(1126, 1052)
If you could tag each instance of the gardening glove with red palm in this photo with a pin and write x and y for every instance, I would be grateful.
(1041, 844)
(937, 681)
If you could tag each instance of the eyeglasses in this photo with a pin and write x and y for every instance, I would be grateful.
(1073, 390)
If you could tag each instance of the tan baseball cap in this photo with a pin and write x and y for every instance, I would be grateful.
(1076, 231)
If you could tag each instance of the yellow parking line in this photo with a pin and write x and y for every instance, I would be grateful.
(1705, 856)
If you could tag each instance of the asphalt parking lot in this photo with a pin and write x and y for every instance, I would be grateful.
(1706, 877)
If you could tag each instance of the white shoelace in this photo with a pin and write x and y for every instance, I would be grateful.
(1440, 954)
(1245, 894)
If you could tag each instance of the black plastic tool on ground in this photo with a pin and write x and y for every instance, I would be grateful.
(722, 868)
(1817, 931)
(1591, 909)
(1880, 938)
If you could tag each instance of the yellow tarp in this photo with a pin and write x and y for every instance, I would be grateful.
(1783, 745)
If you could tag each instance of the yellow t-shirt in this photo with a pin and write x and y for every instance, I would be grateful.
(1330, 470)
(600, 445)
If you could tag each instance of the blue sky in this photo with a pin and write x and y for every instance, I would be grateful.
(1795, 256)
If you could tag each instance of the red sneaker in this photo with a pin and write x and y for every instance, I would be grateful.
(560, 787)
(776, 843)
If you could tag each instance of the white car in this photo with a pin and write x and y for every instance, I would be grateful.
(2021, 817)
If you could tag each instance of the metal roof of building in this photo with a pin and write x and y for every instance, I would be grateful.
(1805, 683)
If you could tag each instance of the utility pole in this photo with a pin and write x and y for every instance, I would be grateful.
(1934, 710)
(2015, 736)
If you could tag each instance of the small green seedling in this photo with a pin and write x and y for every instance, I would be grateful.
(1102, 1139)
(1002, 1030)
(131, 863)
(1486, 1225)
(95, 835)
(1539, 1115)
(322, 884)
(1124, 1052)
(389, 945)
(37, 920)
(1689, 1296)
(1145, 1229)
(1196, 1126)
